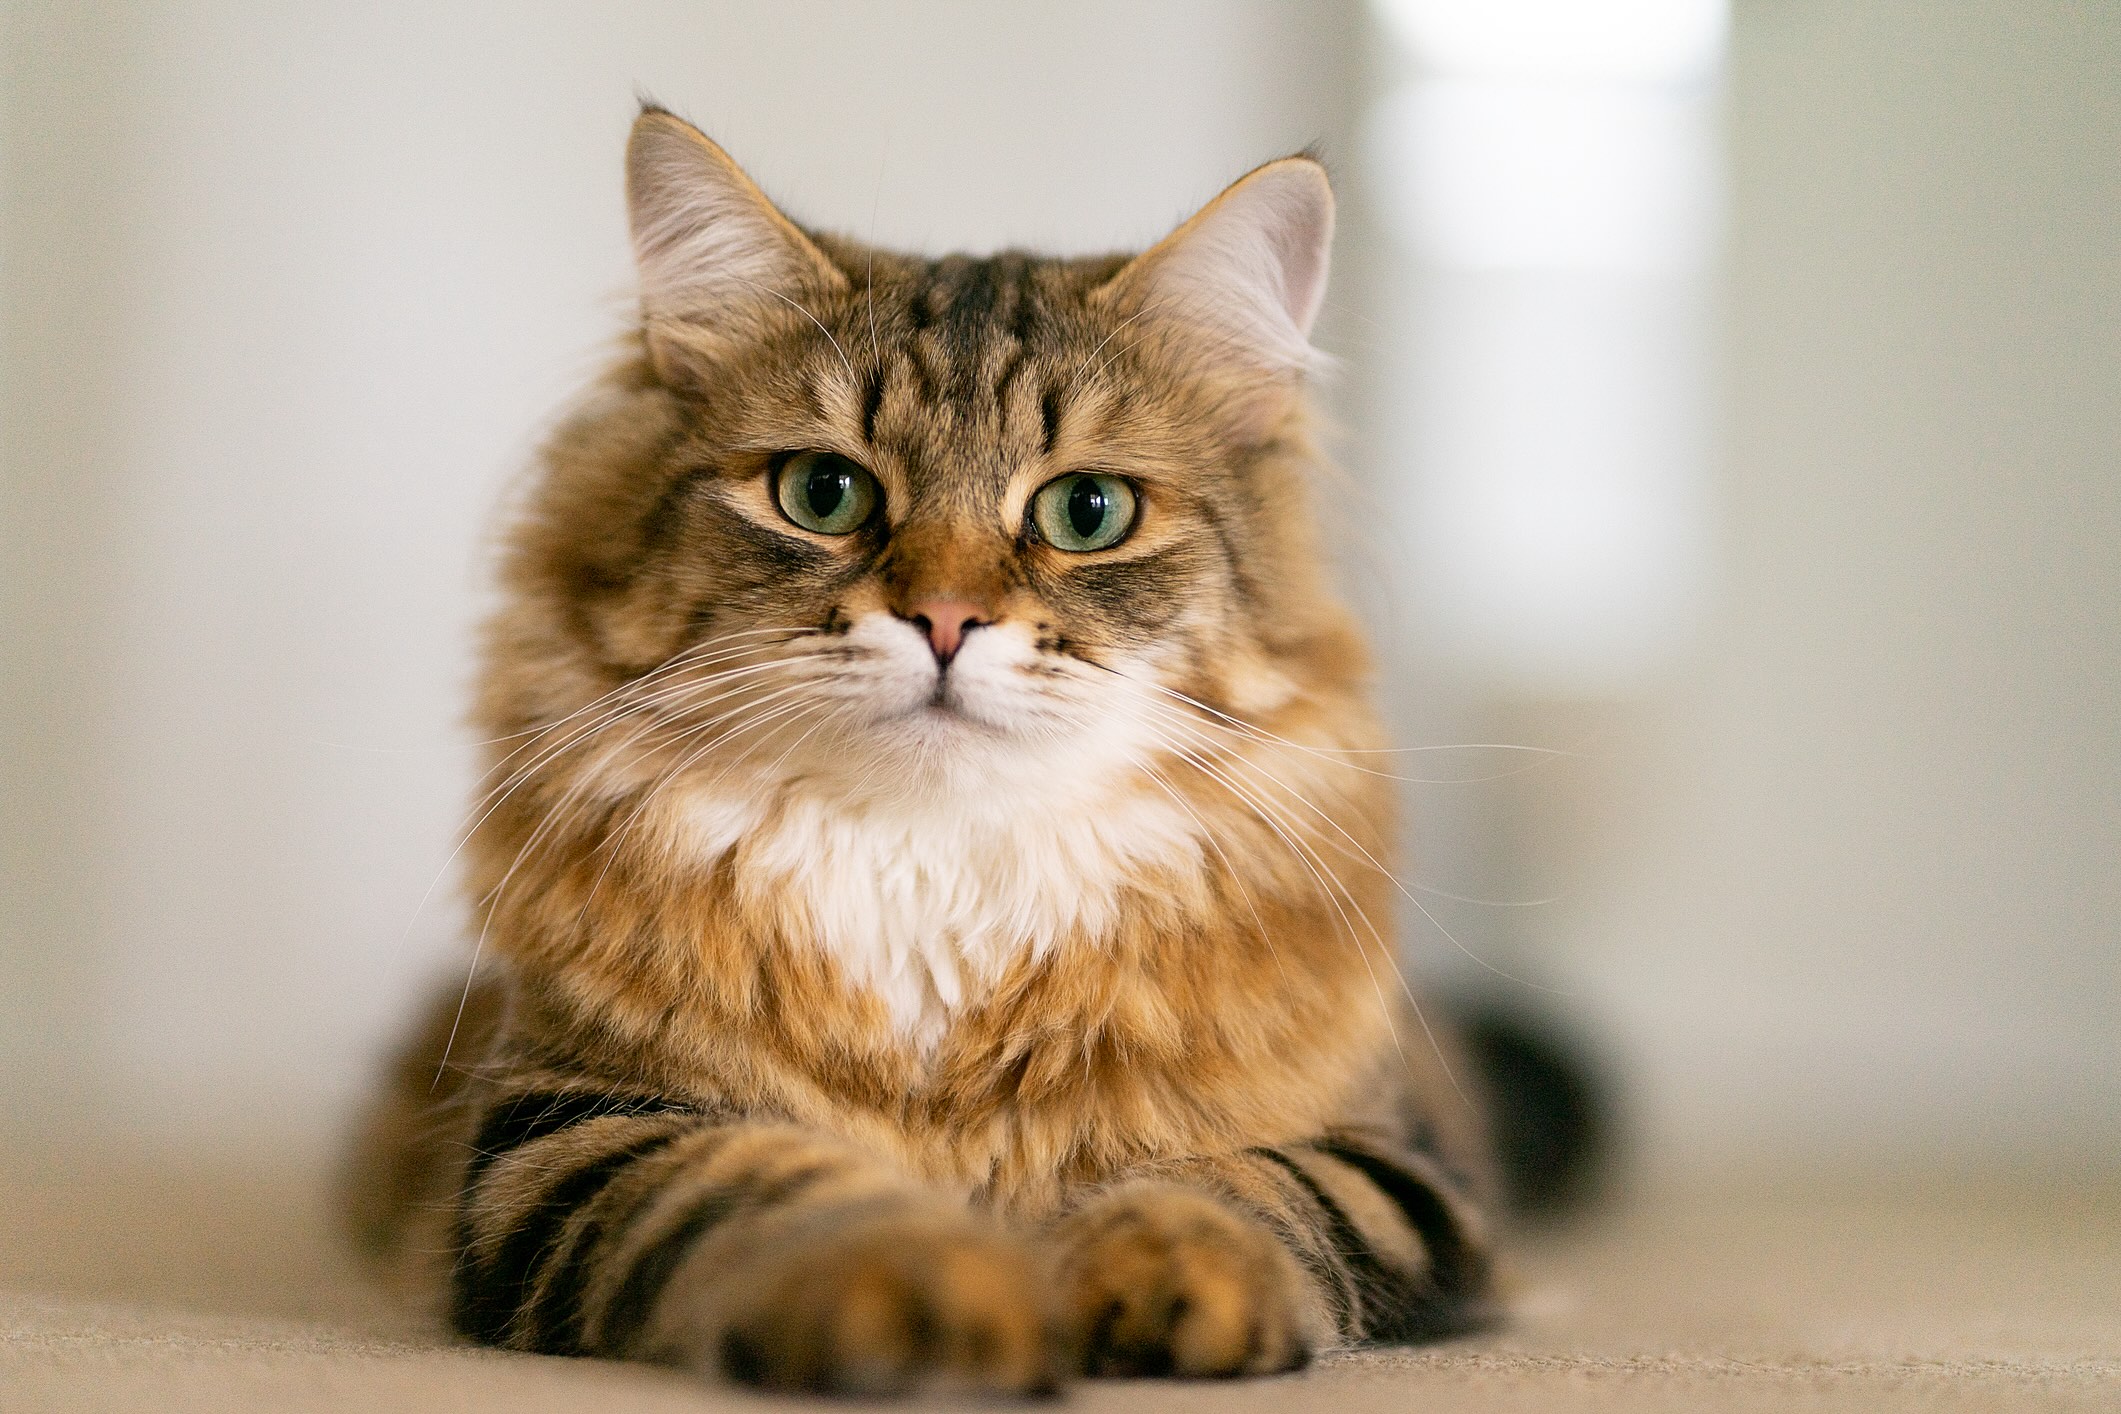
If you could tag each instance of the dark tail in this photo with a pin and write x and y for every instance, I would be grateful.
(1550, 1105)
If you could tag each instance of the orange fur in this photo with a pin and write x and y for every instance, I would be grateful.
(1141, 924)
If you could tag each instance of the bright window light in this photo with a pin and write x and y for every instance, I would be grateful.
(1531, 176)
(1641, 41)
(1551, 169)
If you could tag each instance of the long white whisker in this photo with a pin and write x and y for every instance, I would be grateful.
(693, 656)
(1085, 364)
(1372, 860)
(1319, 875)
(844, 360)
(496, 896)
(1236, 876)
(588, 732)
(1224, 721)
(509, 784)
(618, 838)
(493, 902)
(1332, 892)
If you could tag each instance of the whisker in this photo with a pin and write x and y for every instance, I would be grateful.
(1236, 876)
(1224, 721)
(672, 664)
(618, 839)
(1319, 874)
(1322, 873)
(1380, 867)
(664, 697)
(852, 381)
(1085, 364)
(493, 901)
(588, 732)
(695, 656)
(495, 897)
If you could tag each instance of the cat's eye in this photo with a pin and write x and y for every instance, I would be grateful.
(825, 492)
(1085, 510)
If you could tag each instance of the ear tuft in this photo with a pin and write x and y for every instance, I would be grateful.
(705, 237)
(1248, 269)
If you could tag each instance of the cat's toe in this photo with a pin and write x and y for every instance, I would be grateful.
(1162, 1280)
(927, 1303)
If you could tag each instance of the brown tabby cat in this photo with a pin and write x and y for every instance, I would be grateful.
(933, 866)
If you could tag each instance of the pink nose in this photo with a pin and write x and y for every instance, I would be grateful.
(946, 622)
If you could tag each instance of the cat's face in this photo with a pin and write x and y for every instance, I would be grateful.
(882, 512)
(979, 534)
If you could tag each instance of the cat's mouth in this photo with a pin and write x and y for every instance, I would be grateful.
(906, 692)
(946, 704)
(945, 712)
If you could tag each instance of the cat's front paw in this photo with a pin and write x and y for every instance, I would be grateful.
(1164, 1280)
(929, 1302)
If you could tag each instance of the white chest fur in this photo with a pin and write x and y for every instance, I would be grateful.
(925, 901)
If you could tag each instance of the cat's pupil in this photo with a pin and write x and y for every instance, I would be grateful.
(1087, 506)
(826, 488)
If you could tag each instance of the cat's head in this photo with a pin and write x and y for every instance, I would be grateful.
(854, 507)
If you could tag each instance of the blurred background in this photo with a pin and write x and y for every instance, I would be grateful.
(1730, 395)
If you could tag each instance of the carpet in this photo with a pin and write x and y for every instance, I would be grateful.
(177, 1282)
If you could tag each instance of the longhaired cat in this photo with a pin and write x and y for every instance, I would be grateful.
(932, 900)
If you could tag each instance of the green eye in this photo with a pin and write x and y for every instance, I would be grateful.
(825, 492)
(1086, 510)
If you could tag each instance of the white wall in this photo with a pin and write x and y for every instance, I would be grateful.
(1861, 888)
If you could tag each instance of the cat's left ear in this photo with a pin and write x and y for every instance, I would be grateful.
(715, 255)
(1245, 275)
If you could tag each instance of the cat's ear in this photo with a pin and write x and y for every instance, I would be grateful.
(712, 251)
(1246, 274)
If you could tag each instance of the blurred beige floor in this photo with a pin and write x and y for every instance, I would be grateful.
(167, 1283)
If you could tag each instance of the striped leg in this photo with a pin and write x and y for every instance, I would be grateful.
(1247, 1263)
(607, 1224)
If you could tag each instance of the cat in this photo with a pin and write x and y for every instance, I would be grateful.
(934, 928)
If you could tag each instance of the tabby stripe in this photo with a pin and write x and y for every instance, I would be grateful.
(1456, 1266)
(921, 360)
(1049, 411)
(1011, 366)
(1023, 304)
(555, 1319)
(510, 1125)
(1338, 1235)
(488, 1294)
(1391, 1303)
(651, 1269)
(540, 1114)
(872, 404)
(973, 296)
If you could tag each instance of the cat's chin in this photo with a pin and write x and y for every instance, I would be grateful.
(940, 714)
(942, 721)
(963, 748)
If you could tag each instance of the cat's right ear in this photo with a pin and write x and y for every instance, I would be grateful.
(713, 253)
(1240, 283)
